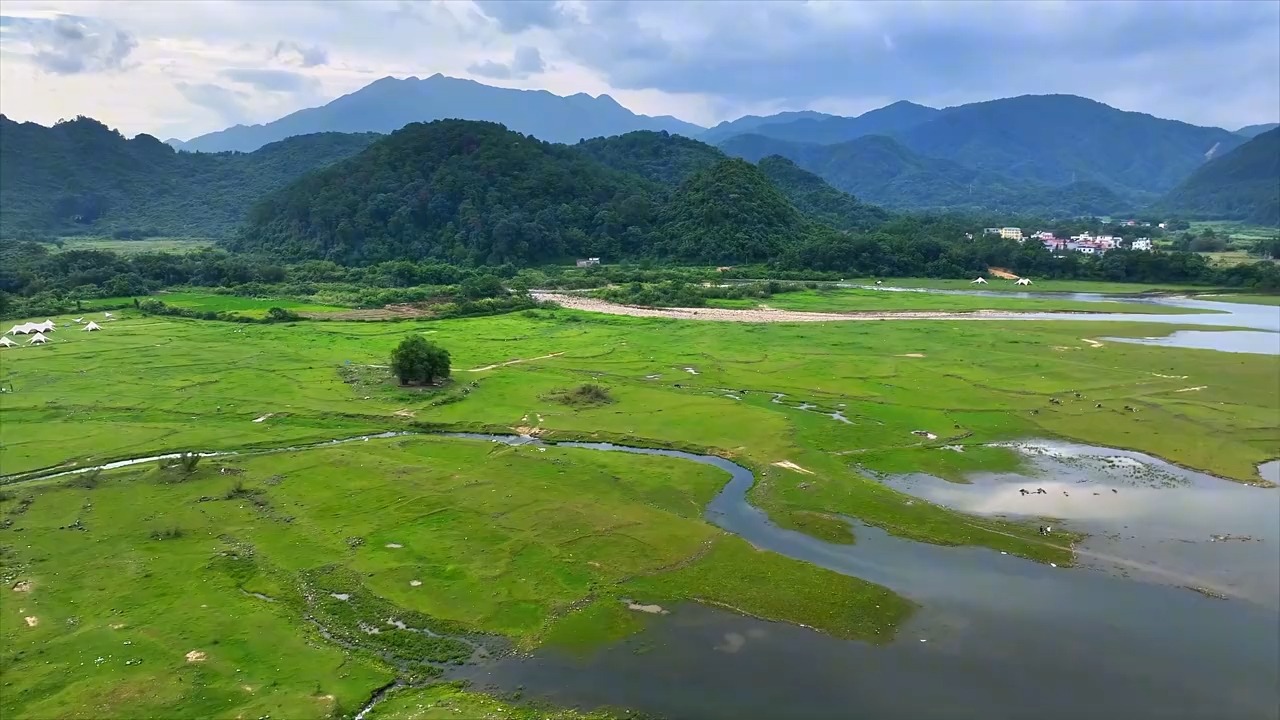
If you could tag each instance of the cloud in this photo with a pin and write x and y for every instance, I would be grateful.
(68, 44)
(228, 104)
(525, 62)
(269, 80)
(514, 16)
(292, 53)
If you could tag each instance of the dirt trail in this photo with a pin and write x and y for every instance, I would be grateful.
(760, 315)
(513, 362)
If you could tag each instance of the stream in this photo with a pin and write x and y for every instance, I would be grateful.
(997, 636)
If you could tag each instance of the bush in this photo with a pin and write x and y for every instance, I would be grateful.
(583, 396)
(418, 360)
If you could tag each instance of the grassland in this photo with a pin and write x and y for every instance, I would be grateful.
(831, 299)
(171, 245)
(445, 701)
(532, 545)
(246, 306)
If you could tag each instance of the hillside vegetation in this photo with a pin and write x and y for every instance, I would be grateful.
(883, 171)
(1242, 185)
(81, 177)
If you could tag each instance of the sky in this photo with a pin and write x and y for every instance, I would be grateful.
(180, 69)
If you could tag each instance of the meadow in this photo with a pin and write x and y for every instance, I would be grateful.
(246, 306)
(160, 244)
(127, 571)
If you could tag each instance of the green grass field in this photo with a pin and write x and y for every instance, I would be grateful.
(128, 572)
(857, 300)
(171, 245)
(247, 306)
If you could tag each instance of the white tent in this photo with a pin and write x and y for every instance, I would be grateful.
(46, 326)
(78, 321)
(17, 330)
(979, 281)
(6, 342)
(92, 326)
(39, 339)
(1023, 281)
(106, 314)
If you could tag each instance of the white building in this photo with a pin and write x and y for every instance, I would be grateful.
(1141, 244)
(1011, 233)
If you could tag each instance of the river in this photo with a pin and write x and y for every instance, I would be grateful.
(997, 636)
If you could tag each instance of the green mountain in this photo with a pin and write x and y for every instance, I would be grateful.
(82, 177)
(1060, 139)
(1243, 184)
(818, 200)
(729, 213)
(474, 192)
(391, 103)
(750, 123)
(671, 159)
(882, 171)
(658, 156)
(830, 130)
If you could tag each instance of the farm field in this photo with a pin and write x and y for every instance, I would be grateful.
(247, 306)
(170, 245)
(857, 300)
(517, 546)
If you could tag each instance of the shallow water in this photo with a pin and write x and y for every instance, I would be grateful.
(1238, 341)
(1265, 318)
(1144, 517)
(1004, 637)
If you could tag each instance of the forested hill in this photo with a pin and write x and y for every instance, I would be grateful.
(818, 200)
(1243, 185)
(883, 171)
(475, 192)
(81, 176)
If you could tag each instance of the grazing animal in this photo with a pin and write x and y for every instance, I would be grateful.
(879, 282)
(677, 384)
(1041, 491)
(1035, 412)
(1115, 491)
(1023, 491)
(1097, 405)
(1079, 395)
(1064, 492)
(1048, 529)
(1055, 401)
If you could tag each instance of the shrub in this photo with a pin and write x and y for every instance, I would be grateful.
(584, 395)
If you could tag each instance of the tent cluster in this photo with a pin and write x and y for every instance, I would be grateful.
(30, 328)
(37, 331)
(983, 281)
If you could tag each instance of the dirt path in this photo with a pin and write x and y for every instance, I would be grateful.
(759, 315)
(513, 362)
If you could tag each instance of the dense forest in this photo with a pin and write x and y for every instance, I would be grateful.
(883, 171)
(1243, 184)
(81, 176)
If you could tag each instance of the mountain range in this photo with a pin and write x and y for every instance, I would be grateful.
(391, 103)
(1054, 155)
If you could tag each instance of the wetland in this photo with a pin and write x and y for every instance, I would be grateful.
(805, 519)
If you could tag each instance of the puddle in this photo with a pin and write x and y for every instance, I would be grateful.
(1234, 341)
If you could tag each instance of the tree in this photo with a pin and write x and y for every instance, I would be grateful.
(419, 360)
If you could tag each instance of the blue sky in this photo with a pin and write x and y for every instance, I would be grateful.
(183, 68)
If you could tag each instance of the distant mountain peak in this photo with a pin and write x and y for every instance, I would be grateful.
(389, 104)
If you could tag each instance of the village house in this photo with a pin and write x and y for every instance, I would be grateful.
(1011, 233)
(1141, 244)
(588, 262)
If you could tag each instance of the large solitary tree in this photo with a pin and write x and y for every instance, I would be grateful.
(418, 360)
